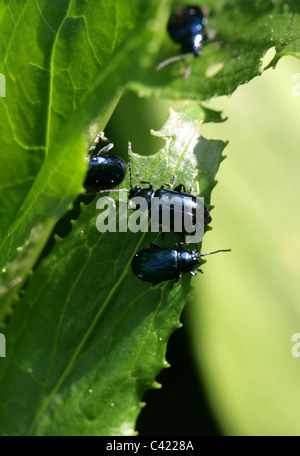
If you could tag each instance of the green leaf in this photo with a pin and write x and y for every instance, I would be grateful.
(245, 31)
(58, 66)
(90, 337)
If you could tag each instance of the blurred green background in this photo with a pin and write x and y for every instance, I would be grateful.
(232, 370)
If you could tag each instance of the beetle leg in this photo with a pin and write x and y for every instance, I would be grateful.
(179, 246)
(92, 149)
(99, 136)
(175, 281)
(105, 149)
(142, 181)
(179, 188)
(171, 184)
(194, 273)
(146, 182)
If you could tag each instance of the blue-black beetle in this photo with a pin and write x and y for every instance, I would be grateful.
(105, 171)
(157, 264)
(184, 206)
(186, 26)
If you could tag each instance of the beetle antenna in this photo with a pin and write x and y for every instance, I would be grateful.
(129, 163)
(217, 251)
(175, 58)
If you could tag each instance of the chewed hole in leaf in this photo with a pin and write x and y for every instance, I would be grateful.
(267, 58)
